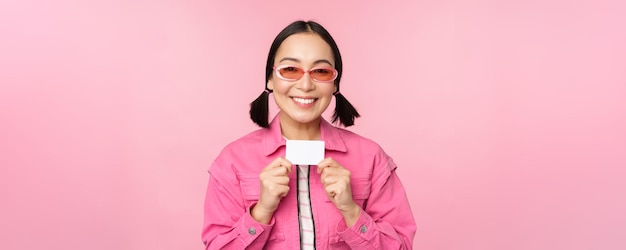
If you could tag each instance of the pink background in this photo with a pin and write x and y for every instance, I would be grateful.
(507, 118)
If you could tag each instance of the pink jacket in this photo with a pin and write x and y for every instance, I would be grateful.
(386, 221)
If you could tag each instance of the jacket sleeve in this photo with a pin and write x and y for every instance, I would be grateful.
(227, 221)
(386, 221)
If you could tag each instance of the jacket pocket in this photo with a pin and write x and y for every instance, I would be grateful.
(250, 188)
(361, 188)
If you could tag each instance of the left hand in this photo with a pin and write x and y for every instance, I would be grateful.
(336, 181)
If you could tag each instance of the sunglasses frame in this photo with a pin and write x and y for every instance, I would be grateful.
(278, 68)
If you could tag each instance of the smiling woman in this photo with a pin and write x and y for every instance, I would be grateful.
(257, 199)
(344, 111)
(302, 101)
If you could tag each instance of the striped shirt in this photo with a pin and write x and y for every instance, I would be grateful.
(305, 216)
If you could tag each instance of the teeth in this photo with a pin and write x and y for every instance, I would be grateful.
(303, 101)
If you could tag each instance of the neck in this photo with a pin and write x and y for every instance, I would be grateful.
(293, 130)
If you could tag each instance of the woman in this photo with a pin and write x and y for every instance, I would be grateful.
(352, 199)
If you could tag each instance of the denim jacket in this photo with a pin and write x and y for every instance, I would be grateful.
(385, 222)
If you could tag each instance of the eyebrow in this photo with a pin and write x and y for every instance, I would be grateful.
(298, 61)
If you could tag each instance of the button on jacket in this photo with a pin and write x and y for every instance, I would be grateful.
(386, 221)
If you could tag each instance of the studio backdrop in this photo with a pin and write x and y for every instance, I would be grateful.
(507, 119)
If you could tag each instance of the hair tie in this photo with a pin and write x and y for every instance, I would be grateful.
(267, 91)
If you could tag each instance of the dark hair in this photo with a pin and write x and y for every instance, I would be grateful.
(344, 111)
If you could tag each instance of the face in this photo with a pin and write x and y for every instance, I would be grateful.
(304, 100)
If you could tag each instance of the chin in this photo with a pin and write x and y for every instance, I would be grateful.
(308, 118)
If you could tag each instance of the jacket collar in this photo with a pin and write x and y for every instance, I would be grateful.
(273, 138)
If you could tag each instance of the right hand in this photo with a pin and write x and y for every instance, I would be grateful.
(274, 186)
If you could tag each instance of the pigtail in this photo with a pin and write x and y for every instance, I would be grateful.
(344, 111)
(259, 109)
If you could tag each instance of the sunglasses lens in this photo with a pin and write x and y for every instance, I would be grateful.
(323, 74)
(291, 73)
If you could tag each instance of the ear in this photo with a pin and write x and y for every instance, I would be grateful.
(270, 85)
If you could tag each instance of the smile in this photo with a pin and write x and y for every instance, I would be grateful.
(304, 100)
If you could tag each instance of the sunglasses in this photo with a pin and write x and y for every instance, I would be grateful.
(293, 73)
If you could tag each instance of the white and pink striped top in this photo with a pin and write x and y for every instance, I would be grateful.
(305, 216)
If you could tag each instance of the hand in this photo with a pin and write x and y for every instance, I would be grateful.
(336, 181)
(274, 181)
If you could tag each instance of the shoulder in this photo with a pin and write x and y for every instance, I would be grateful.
(252, 141)
(369, 153)
(240, 155)
(359, 142)
(362, 151)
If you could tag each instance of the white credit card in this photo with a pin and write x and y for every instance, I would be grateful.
(301, 152)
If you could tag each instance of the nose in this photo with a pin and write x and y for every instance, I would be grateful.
(306, 82)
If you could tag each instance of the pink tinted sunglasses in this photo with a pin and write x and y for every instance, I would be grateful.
(293, 73)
